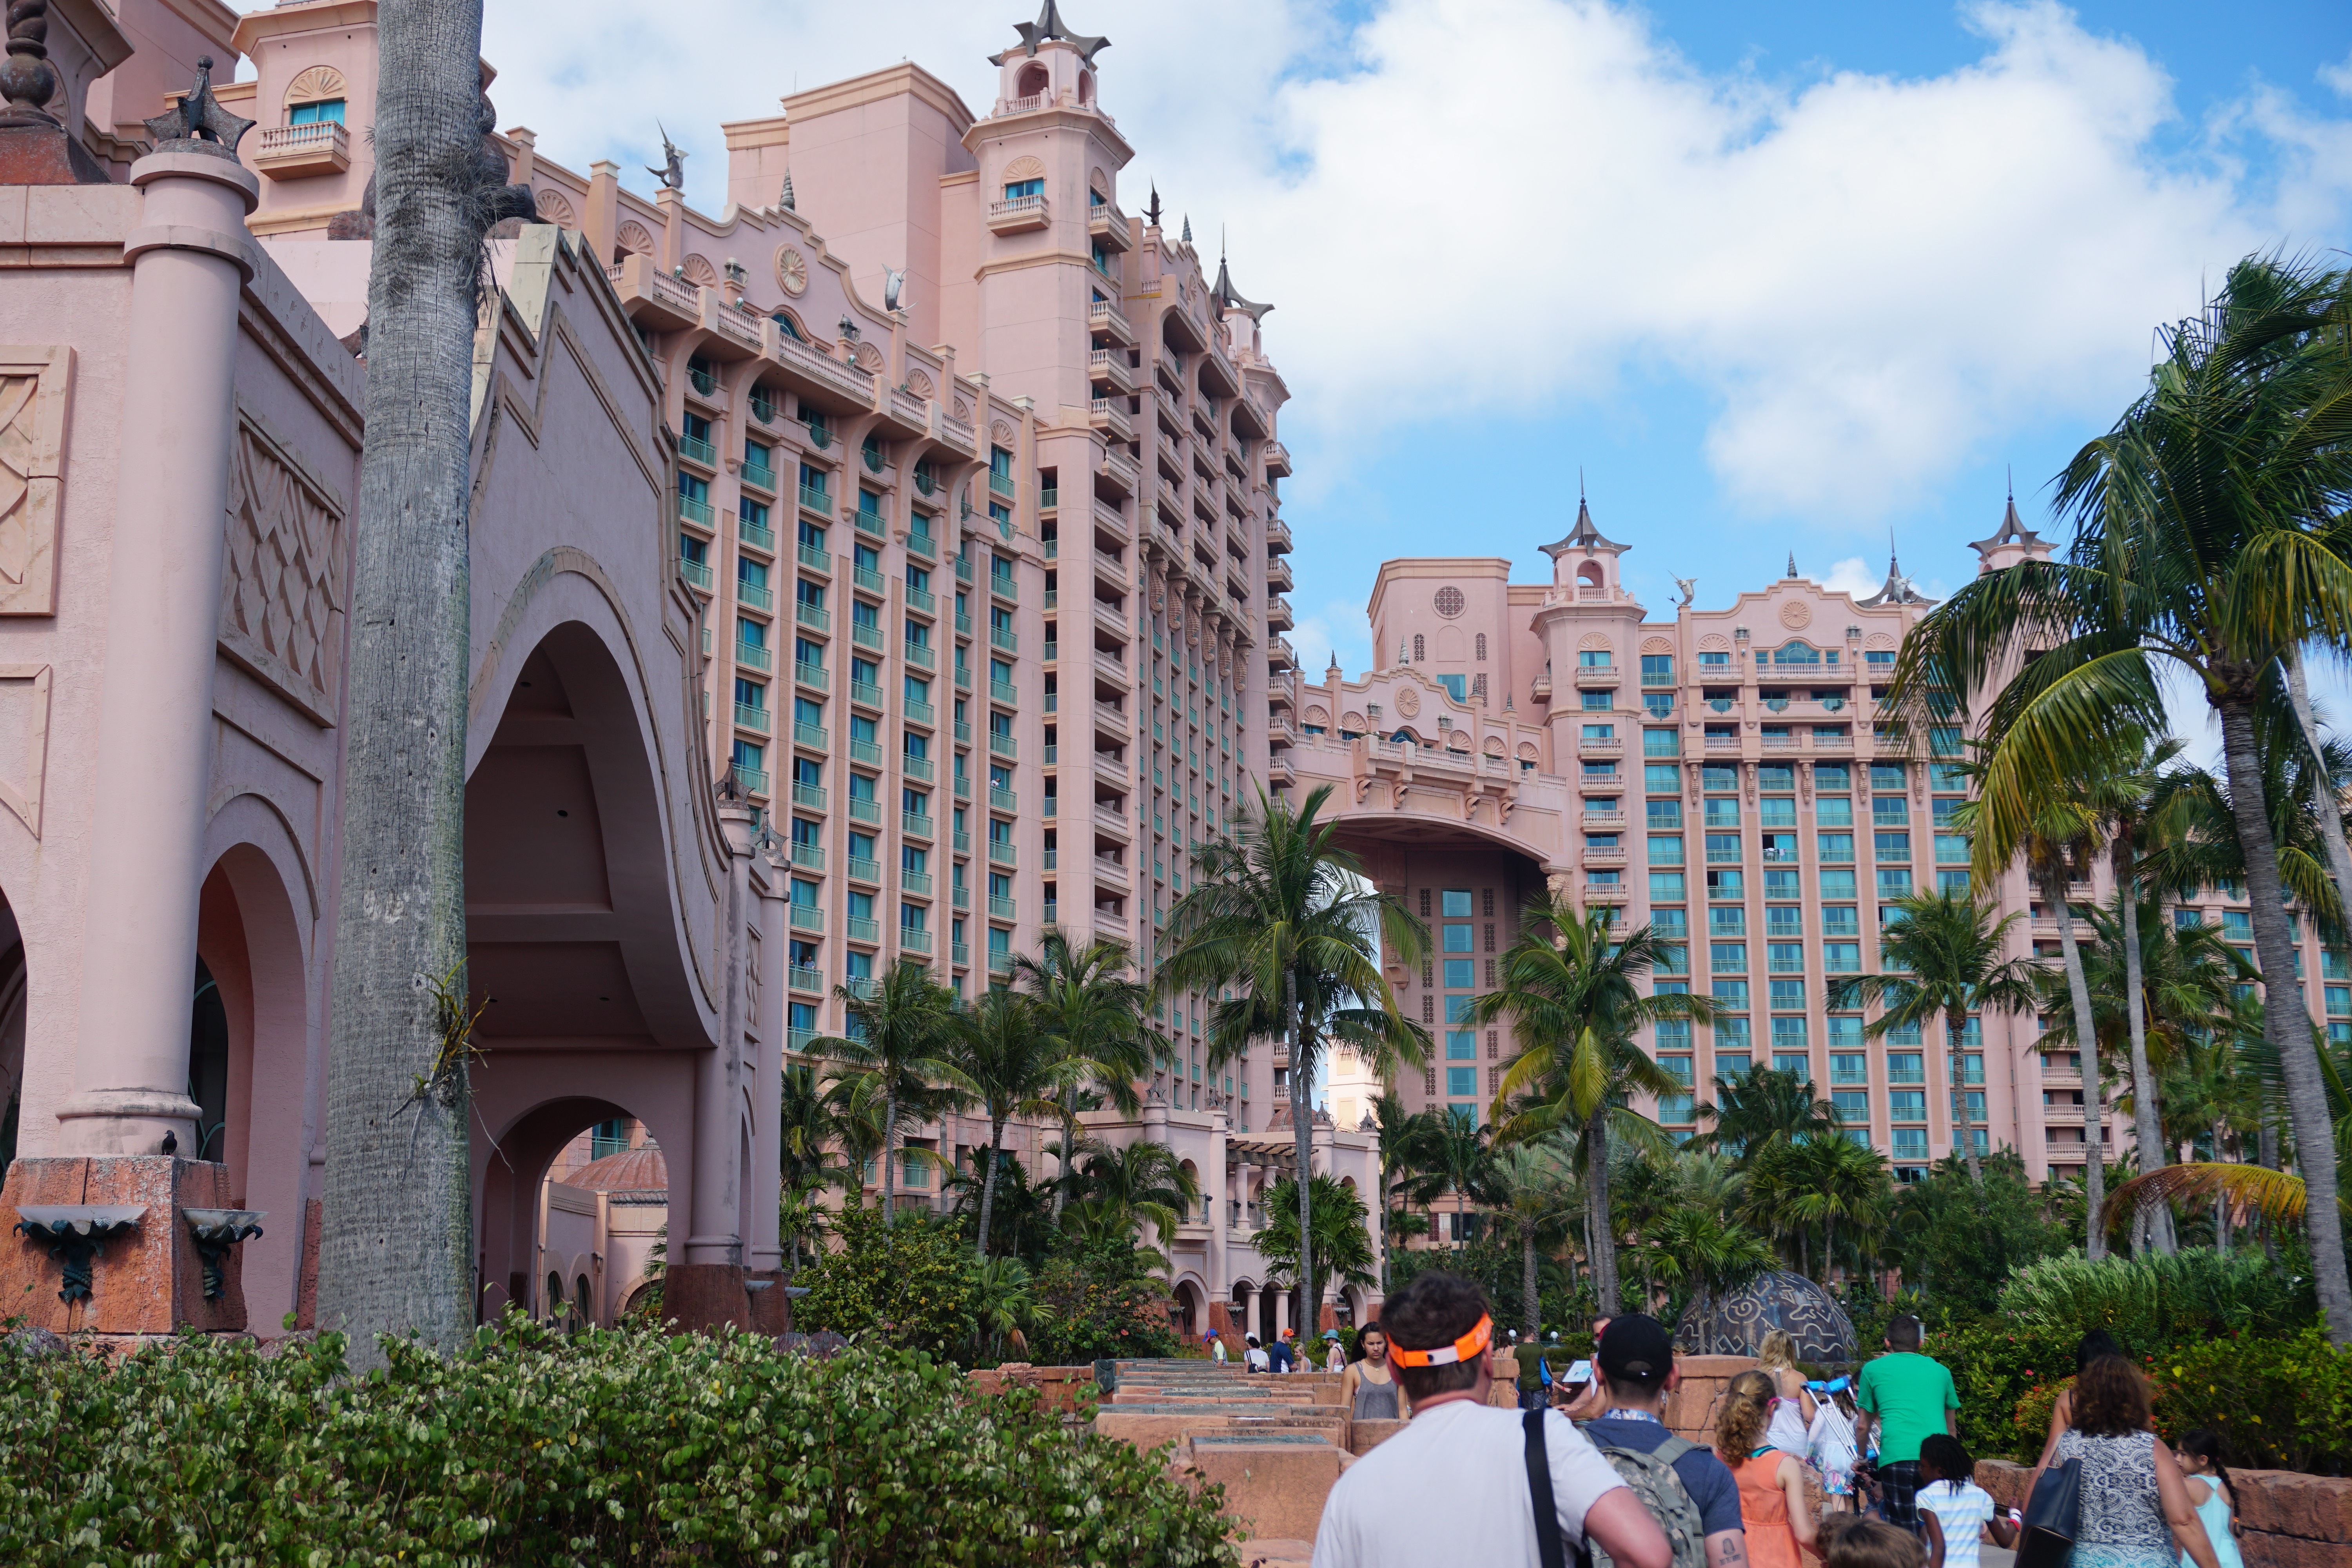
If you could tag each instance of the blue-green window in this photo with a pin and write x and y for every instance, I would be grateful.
(1460, 1046)
(1458, 686)
(330, 109)
(1460, 1080)
(1016, 189)
(1667, 885)
(1458, 974)
(1457, 1009)
(1457, 938)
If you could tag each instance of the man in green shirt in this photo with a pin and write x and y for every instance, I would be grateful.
(1529, 1381)
(1910, 1397)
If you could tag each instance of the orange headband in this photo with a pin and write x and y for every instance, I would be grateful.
(1481, 1334)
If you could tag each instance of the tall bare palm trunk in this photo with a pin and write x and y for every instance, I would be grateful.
(2095, 1100)
(396, 1235)
(1302, 1127)
(2147, 1119)
(1529, 1313)
(988, 1181)
(1956, 1023)
(1605, 1239)
(2306, 1096)
(890, 1164)
(2331, 823)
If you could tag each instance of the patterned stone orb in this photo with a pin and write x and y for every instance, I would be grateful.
(1736, 1324)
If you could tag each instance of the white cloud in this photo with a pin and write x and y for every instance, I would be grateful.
(1491, 205)
(1855, 576)
(1342, 629)
(2338, 76)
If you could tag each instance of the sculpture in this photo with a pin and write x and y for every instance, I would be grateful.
(1689, 587)
(894, 288)
(197, 118)
(1735, 1322)
(672, 174)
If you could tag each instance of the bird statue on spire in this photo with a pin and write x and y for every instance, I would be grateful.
(1151, 209)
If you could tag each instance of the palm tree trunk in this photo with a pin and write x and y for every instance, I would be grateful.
(2221, 1204)
(2307, 1097)
(1069, 1160)
(2148, 1123)
(988, 1181)
(2331, 823)
(889, 1166)
(1956, 1023)
(396, 1238)
(1532, 1319)
(2094, 1107)
(1302, 1129)
(1604, 1244)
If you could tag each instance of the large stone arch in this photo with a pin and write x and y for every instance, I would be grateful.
(258, 915)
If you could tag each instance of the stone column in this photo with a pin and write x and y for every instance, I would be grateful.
(1281, 1312)
(1212, 1184)
(706, 1290)
(1250, 1324)
(190, 257)
(771, 1310)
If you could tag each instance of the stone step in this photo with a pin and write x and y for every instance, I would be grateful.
(1276, 1483)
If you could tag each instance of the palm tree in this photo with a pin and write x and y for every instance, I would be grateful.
(1407, 1142)
(1570, 992)
(895, 1051)
(1142, 1184)
(1013, 1069)
(1283, 914)
(1761, 1110)
(2208, 541)
(1341, 1241)
(1535, 1193)
(1093, 1011)
(1942, 960)
(806, 1164)
(1459, 1159)
(395, 1251)
(1823, 1180)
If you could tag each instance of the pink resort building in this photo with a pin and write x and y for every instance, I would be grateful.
(1721, 775)
(887, 566)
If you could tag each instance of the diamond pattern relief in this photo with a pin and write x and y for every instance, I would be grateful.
(33, 389)
(283, 595)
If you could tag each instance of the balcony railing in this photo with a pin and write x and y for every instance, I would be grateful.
(693, 509)
(695, 449)
(809, 675)
(813, 616)
(817, 501)
(808, 796)
(750, 717)
(696, 572)
(751, 656)
(813, 736)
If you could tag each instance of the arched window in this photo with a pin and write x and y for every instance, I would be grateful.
(792, 328)
(1482, 647)
(1420, 648)
(1032, 82)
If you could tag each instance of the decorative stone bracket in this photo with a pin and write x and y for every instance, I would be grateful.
(214, 1231)
(75, 1234)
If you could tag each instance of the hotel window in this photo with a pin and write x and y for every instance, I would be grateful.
(1785, 957)
(1667, 885)
(1458, 975)
(1833, 810)
(326, 109)
(1658, 704)
(1716, 779)
(1893, 845)
(1707, 662)
(1593, 702)
(1666, 814)
(1889, 811)
(1016, 189)
(1776, 811)
(1458, 939)
(1837, 884)
(1728, 958)
(1723, 811)
(1460, 1080)
(1593, 658)
(1457, 686)
(1907, 1104)
(1462, 1045)
(1723, 884)
(1666, 851)
(1841, 957)
(1894, 884)
(1788, 993)
(1887, 775)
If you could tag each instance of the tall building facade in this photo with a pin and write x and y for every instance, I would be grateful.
(1725, 777)
(836, 602)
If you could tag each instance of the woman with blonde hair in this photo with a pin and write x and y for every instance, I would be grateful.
(1772, 1508)
(1792, 1405)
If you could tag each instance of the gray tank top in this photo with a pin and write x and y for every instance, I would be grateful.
(1375, 1401)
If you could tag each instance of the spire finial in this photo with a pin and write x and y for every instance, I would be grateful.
(1792, 563)
(1580, 484)
(1892, 568)
(1188, 228)
(2011, 469)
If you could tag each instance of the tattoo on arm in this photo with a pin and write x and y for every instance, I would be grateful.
(1726, 1550)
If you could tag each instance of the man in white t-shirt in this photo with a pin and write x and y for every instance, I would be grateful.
(1455, 1485)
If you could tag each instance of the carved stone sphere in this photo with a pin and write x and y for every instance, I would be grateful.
(1736, 1324)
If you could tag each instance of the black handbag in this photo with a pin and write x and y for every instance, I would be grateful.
(2052, 1516)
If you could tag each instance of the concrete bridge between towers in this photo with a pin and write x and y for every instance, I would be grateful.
(180, 436)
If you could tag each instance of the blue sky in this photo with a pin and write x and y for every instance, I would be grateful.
(1788, 277)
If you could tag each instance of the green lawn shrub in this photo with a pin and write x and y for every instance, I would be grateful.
(624, 1447)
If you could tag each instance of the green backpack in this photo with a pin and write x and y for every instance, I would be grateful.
(1654, 1481)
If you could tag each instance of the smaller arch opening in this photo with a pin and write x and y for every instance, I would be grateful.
(1589, 574)
(1031, 83)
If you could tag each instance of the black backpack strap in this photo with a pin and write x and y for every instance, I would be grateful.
(1549, 1546)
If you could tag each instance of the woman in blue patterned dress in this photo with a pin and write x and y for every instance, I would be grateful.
(2136, 1512)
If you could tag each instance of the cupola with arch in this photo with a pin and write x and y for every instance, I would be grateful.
(1584, 565)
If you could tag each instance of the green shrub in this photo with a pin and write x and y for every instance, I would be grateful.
(914, 1285)
(621, 1447)
(2283, 1405)
(2153, 1300)
(1098, 1301)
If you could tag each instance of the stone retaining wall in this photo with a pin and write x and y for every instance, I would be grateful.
(1060, 1387)
(2292, 1520)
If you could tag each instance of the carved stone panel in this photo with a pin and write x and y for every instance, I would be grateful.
(24, 740)
(284, 590)
(36, 383)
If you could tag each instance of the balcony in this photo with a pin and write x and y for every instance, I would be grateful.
(759, 476)
(870, 523)
(1107, 222)
(814, 558)
(1606, 892)
(1599, 746)
(751, 656)
(1277, 537)
(1109, 415)
(813, 616)
(1018, 215)
(1003, 745)
(1111, 366)
(865, 694)
(755, 780)
(694, 450)
(809, 797)
(857, 928)
(809, 675)
(813, 498)
(1277, 460)
(1277, 614)
(755, 595)
(866, 634)
(1598, 678)
(1602, 821)
(914, 939)
(1593, 856)
(696, 572)
(864, 807)
(1105, 317)
(807, 917)
(297, 152)
(865, 870)
(693, 509)
(803, 978)
(1001, 852)
(748, 717)
(811, 737)
(808, 856)
(918, 768)
(919, 654)
(917, 824)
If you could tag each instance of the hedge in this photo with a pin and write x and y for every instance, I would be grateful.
(621, 1447)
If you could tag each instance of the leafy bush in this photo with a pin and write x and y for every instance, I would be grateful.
(2153, 1300)
(1495, 1265)
(914, 1284)
(528, 1447)
(1096, 1300)
(1960, 1245)
(2275, 1404)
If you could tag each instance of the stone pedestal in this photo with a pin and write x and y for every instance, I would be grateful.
(771, 1310)
(703, 1297)
(149, 1282)
(1221, 1324)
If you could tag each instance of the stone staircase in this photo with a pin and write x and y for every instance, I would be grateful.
(1275, 1443)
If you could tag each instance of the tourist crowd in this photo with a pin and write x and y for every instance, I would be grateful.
(1867, 1471)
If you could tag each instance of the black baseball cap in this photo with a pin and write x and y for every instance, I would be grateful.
(1635, 1349)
